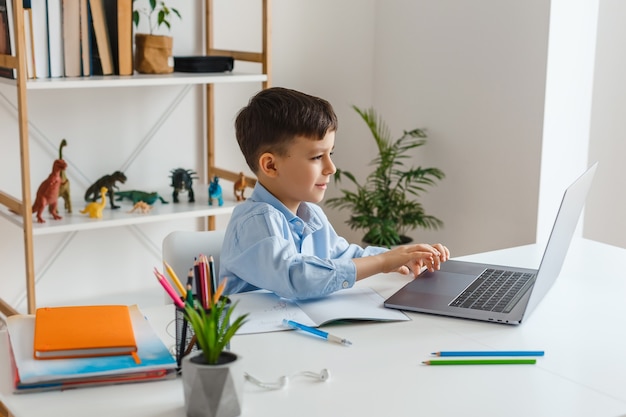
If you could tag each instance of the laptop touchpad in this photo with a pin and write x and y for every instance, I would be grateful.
(442, 283)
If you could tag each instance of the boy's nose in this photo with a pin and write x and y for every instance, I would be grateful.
(330, 168)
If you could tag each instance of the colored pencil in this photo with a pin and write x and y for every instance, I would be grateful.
(490, 353)
(168, 288)
(189, 300)
(220, 290)
(175, 280)
(481, 362)
(208, 288)
(212, 274)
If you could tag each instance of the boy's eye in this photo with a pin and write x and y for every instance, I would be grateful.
(321, 156)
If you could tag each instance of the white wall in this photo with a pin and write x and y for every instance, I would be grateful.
(607, 201)
(473, 74)
(569, 89)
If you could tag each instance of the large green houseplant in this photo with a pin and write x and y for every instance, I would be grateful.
(213, 379)
(385, 204)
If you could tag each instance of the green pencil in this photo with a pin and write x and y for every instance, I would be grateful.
(481, 362)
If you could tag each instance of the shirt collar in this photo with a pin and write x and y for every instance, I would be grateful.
(305, 211)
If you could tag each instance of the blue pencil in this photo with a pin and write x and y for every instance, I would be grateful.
(491, 353)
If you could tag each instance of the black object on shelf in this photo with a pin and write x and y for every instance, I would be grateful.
(203, 63)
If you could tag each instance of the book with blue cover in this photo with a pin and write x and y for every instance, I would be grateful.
(30, 374)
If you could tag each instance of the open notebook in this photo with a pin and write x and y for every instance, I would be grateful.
(267, 310)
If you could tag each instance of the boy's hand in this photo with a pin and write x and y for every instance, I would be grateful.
(422, 256)
(404, 259)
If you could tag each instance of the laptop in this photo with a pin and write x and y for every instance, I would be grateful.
(497, 293)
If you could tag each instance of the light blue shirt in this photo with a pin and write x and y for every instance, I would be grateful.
(295, 256)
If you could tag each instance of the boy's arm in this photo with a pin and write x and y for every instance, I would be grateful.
(413, 257)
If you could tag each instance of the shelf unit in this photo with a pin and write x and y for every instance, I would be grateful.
(19, 210)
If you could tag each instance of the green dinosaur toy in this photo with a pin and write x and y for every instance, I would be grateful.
(137, 196)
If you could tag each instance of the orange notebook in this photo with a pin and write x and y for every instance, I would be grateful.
(83, 331)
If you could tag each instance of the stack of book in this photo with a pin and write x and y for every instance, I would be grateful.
(71, 38)
(70, 347)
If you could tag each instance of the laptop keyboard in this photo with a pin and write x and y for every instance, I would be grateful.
(495, 290)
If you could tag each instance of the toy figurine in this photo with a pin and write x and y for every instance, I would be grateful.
(136, 196)
(142, 207)
(240, 187)
(48, 192)
(215, 192)
(94, 209)
(182, 180)
(64, 189)
(107, 181)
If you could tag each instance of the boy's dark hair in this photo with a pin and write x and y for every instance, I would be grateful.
(275, 116)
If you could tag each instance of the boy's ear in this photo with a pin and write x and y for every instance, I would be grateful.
(267, 164)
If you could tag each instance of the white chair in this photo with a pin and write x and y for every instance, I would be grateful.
(181, 247)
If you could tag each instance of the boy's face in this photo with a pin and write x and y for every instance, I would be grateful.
(304, 172)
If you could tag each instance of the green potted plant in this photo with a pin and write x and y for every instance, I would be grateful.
(385, 204)
(153, 53)
(213, 378)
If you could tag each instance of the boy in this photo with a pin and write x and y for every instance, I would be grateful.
(279, 239)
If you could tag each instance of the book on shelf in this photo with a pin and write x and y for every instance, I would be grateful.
(267, 310)
(55, 39)
(83, 331)
(31, 375)
(71, 37)
(119, 17)
(102, 62)
(39, 15)
(29, 42)
(85, 38)
(6, 35)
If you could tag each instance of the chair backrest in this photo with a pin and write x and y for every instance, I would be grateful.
(181, 247)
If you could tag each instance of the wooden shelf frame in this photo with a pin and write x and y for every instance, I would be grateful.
(22, 207)
(263, 58)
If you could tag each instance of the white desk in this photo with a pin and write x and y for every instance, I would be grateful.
(579, 325)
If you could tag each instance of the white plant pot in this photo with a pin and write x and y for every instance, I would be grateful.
(213, 390)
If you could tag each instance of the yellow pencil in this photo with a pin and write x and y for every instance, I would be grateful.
(219, 291)
(175, 279)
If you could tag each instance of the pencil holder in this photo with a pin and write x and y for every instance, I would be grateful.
(185, 341)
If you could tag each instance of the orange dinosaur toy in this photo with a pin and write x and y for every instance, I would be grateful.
(240, 187)
(48, 192)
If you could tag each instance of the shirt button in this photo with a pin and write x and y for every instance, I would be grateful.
(345, 284)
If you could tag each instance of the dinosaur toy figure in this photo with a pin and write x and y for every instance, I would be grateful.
(64, 189)
(215, 192)
(136, 196)
(240, 187)
(94, 209)
(182, 181)
(142, 207)
(107, 181)
(48, 192)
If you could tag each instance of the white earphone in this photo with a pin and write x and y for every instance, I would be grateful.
(279, 384)
(282, 382)
(322, 376)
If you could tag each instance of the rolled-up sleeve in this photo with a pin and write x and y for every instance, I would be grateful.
(264, 249)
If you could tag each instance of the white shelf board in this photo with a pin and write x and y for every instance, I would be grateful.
(139, 80)
(121, 217)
